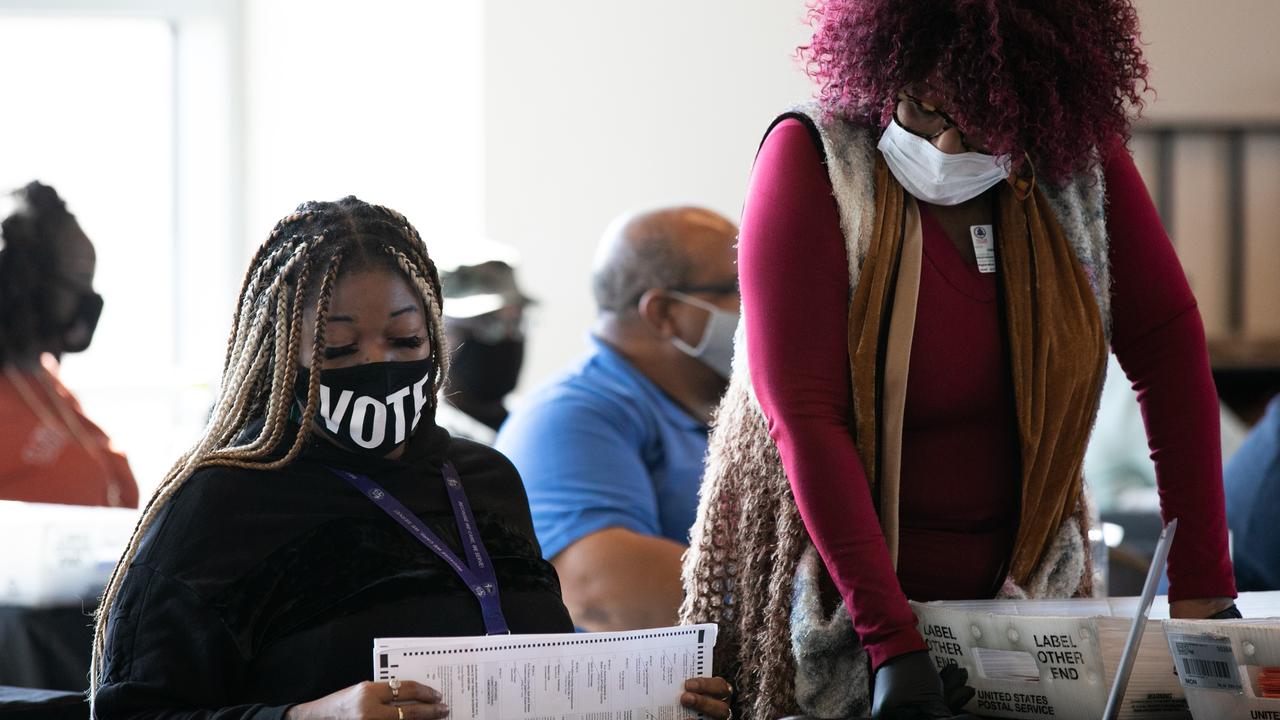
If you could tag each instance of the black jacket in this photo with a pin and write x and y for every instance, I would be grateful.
(254, 590)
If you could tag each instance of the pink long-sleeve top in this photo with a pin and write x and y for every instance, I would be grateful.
(961, 473)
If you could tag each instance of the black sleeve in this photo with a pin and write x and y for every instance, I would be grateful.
(506, 493)
(517, 508)
(169, 656)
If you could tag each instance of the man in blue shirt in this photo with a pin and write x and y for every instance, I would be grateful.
(1252, 479)
(611, 453)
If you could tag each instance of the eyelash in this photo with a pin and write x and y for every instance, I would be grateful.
(411, 342)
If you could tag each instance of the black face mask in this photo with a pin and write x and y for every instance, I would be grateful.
(78, 331)
(370, 408)
(486, 372)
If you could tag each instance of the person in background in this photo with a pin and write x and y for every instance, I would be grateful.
(484, 320)
(273, 553)
(936, 258)
(1252, 479)
(611, 452)
(49, 451)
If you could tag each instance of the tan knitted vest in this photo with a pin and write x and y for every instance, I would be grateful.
(751, 567)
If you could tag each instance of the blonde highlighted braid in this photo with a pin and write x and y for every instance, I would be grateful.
(263, 350)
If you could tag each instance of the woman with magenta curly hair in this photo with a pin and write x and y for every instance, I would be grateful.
(935, 260)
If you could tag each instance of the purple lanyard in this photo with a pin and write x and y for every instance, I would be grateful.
(478, 572)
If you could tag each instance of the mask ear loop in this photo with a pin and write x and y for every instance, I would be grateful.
(1024, 179)
(691, 350)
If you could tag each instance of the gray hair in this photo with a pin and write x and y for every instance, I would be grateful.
(638, 252)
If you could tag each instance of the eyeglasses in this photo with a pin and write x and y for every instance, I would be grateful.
(926, 120)
(725, 288)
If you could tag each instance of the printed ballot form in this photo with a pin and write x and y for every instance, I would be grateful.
(634, 675)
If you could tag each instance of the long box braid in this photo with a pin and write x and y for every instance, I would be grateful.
(297, 265)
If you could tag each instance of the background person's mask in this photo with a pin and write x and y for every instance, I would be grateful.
(78, 331)
(715, 349)
(370, 408)
(487, 372)
(937, 177)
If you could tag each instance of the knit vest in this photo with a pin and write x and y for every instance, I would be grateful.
(751, 566)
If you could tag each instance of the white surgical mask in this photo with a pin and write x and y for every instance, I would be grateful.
(934, 176)
(715, 349)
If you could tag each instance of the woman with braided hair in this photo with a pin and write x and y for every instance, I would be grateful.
(935, 260)
(270, 556)
(49, 451)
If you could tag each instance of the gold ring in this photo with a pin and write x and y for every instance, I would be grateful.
(400, 712)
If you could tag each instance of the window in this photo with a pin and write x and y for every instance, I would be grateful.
(128, 111)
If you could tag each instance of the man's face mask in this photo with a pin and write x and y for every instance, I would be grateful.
(715, 348)
(371, 408)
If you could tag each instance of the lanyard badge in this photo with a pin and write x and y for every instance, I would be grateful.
(476, 570)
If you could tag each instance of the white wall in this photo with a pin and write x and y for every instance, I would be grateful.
(595, 107)
(381, 99)
(1212, 60)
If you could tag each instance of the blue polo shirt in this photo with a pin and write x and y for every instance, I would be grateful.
(1252, 480)
(603, 447)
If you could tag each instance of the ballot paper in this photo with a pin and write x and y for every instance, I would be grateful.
(634, 675)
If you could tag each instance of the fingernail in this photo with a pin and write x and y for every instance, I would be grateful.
(688, 699)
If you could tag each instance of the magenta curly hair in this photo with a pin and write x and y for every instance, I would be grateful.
(1052, 78)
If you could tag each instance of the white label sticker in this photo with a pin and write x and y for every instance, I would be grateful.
(1205, 662)
(984, 247)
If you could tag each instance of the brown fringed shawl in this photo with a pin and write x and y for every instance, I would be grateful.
(783, 650)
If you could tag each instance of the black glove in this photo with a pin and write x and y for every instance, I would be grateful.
(908, 687)
(955, 689)
(1230, 613)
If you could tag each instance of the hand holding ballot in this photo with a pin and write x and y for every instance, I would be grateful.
(401, 700)
(659, 672)
(709, 697)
